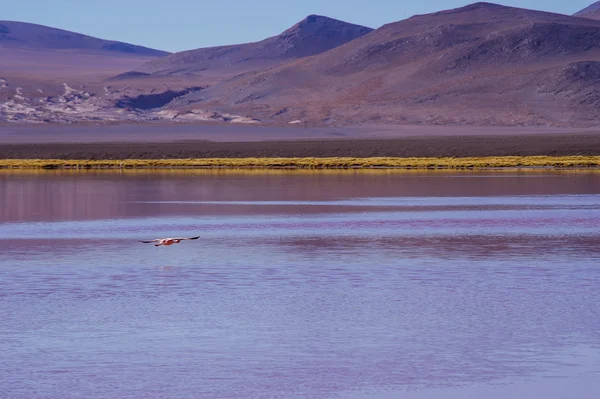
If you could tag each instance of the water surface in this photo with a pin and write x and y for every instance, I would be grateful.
(303, 285)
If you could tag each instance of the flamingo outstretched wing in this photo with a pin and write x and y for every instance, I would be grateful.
(170, 239)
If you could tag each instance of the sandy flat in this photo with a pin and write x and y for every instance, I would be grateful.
(169, 132)
(203, 141)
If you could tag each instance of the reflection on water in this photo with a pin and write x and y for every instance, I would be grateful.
(48, 195)
(333, 285)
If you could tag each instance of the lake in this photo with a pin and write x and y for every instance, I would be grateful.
(327, 284)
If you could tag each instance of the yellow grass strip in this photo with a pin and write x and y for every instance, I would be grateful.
(311, 163)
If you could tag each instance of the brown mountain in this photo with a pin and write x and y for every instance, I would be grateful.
(30, 49)
(313, 35)
(483, 63)
(592, 11)
(25, 35)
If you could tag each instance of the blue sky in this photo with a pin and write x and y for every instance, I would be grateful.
(176, 25)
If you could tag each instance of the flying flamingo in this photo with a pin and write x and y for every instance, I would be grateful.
(168, 241)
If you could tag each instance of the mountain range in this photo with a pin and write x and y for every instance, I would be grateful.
(482, 64)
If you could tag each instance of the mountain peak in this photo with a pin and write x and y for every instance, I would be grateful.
(475, 7)
(316, 34)
(483, 5)
(314, 24)
(314, 18)
(319, 20)
(592, 11)
(312, 35)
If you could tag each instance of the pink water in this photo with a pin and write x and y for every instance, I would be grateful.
(303, 285)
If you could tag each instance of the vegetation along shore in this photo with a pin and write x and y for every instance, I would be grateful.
(559, 162)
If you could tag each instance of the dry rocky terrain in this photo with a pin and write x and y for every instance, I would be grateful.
(483, 64)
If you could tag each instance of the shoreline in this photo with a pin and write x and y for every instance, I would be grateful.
(101, 147)
(314, 163)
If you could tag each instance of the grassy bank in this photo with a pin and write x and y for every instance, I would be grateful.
(311, 163)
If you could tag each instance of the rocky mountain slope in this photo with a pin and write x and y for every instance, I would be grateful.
(483, 64)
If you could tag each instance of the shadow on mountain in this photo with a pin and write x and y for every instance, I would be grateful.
(130, 75)
(152, 101)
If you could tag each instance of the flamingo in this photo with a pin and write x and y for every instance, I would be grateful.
(168, 241)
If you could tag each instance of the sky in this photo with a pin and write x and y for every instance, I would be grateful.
(176, 25)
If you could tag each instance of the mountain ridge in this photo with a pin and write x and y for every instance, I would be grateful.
(313, 35)
(35, 36)
(592, 11)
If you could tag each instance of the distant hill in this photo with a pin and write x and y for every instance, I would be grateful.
(483, 63)
(38, 59)
(24, 35)
(592, 11)
(313, 35)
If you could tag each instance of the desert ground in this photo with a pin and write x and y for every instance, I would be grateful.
(157, 141)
